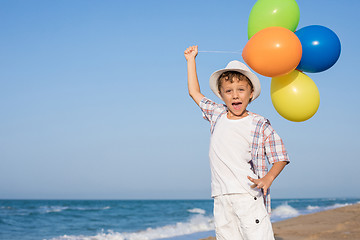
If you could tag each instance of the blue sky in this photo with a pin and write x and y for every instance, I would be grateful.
(94, 102)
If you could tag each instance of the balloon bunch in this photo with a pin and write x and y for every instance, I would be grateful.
(275, 50)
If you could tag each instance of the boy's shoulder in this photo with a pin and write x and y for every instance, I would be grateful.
(258, 118)
(208, 104)
(260, 121)
(262, 124)
(206, 100)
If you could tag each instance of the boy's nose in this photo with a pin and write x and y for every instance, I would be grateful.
(235, 95)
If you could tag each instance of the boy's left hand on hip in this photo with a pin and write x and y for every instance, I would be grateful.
(262, 183)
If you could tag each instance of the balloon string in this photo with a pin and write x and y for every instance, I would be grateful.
(220, 51)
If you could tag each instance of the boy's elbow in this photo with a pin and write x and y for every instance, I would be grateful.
(191, 96)
(197, 96)
(192, 93)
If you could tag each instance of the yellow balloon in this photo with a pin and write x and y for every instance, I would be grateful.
(295, 96)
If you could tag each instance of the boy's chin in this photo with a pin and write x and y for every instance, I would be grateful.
(238, 113)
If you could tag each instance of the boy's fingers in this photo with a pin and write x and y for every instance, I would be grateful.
(252, 180)
(256, 185)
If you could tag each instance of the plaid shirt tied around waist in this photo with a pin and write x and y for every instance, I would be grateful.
(266, 143)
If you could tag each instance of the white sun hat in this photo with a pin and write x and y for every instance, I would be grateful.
(237, 67)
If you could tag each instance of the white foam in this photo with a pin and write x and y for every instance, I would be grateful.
(6, 207)
(51, 209)
(337, 205)
(285, 211)
(90, 209)
(197, 210)
(198, 223)
(312, 208)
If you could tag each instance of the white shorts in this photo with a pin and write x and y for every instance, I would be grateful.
(241, 217)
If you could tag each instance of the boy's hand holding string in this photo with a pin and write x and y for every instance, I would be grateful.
(193, 84)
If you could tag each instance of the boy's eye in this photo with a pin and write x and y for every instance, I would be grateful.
(227, 91)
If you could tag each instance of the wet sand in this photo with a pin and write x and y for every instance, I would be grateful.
(335, 224)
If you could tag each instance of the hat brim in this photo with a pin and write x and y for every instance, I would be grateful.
(251, 76)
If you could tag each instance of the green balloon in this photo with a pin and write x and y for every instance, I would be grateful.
(273, 13)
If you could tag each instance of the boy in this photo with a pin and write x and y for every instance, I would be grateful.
(240, 142)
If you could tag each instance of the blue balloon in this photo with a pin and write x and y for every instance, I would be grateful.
(320, 48)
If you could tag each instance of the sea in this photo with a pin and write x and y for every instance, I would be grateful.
(131, 219)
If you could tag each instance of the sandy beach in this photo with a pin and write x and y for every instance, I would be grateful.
(335, 224)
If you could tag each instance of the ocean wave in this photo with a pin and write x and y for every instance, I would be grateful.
(198, 223)
(284, 211)
(197, 210)
(6, 207)
(337, 205)
(312, 208)
(90, 209)
(56, 209)
(46, 209)
(52, 209)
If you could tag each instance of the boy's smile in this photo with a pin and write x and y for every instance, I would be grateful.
(236, 96)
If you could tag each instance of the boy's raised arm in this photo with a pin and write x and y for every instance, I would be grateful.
(193, 83)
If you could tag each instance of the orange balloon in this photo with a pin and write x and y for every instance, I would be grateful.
(273, 51)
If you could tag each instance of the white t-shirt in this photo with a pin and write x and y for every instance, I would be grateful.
(230, 154)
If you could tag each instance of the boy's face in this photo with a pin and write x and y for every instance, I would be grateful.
(236, 96)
